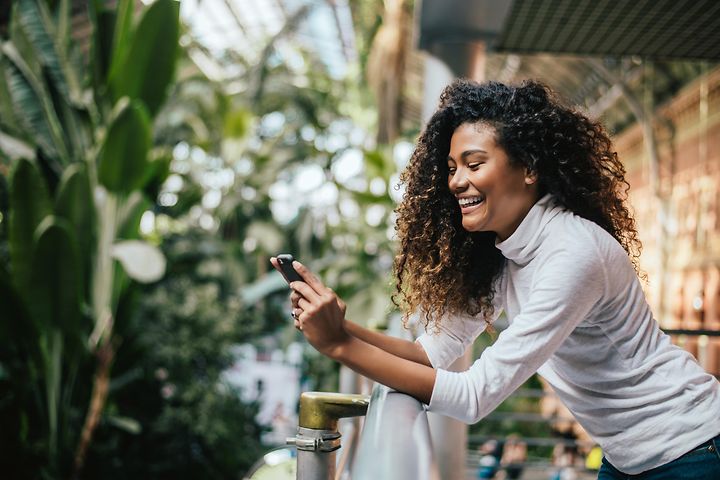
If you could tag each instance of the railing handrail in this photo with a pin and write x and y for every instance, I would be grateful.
(395, 442)
(692, 332)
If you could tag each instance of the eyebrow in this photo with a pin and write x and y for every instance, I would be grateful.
(467, 153)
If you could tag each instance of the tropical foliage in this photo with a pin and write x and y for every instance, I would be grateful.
(115, 337)
(80, 153)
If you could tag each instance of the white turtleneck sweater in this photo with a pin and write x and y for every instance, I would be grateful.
(578, 316)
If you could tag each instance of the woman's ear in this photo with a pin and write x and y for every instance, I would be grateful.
(530, 177)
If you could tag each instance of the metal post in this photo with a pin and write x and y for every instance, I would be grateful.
(318, 437)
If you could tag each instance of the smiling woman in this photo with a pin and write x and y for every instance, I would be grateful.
(494, 195)
(516, 203)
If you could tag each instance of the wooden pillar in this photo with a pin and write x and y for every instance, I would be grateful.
(712, 319)
(693, 307)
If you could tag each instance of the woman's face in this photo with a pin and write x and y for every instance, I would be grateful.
(492, 194)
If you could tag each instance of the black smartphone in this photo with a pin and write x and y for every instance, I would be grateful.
(285, 261)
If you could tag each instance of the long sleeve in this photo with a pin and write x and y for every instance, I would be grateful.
(455, 334)
(563, 292)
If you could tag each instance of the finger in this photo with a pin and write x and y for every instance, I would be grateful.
(276, 265)
(304, 306)
(306, 291)
(294, 298)
(310, 278)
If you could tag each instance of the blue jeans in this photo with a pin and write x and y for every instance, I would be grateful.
(700, 463)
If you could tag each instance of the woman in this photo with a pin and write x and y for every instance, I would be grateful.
(516, 203)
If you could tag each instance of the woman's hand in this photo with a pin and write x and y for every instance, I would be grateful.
(319, 313)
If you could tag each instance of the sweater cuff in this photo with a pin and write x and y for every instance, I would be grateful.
(448, 394)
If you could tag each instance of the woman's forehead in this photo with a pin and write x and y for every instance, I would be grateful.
(473, 135)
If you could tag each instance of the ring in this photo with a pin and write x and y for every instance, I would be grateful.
(292, 313)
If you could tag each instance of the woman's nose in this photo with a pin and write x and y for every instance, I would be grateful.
(458, 182)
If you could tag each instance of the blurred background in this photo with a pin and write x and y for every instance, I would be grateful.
(153, 155)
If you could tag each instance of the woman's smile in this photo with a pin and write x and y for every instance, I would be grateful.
(470, 204)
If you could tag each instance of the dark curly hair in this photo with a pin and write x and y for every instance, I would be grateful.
(442, 268)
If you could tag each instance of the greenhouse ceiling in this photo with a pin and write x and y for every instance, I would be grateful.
(658, 29)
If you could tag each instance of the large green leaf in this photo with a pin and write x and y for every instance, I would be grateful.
(122, 32)
(39, 29)
(32, 104)
(124, 155)
(56, 279)
(147, 68)
(8, 120)
(29, 37)
(103, 21)
(74, 202)
(29, 205)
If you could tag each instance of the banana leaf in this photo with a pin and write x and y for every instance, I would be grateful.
(74, 202)
(146, 70)
(30, 204)
(56, 278)
(124, 155)
(122, 33)
(102, 47)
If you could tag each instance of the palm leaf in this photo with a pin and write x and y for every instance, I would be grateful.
(33, 106)
(52, 51)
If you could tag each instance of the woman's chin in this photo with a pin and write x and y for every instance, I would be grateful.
(471, 226)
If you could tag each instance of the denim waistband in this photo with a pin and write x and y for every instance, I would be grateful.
(703, 447)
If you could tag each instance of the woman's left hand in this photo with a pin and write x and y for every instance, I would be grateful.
(320, 313)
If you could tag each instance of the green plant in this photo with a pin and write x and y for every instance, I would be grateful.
(79, 147)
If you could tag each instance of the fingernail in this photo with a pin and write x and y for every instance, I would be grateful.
(296, 264)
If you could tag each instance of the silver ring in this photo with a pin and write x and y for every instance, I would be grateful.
(292, 314)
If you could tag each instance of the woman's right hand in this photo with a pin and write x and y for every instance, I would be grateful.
(295, 306)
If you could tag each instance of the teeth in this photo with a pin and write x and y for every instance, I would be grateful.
(469, 201)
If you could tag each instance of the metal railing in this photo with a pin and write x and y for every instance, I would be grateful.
(318, 438)
(394, 443)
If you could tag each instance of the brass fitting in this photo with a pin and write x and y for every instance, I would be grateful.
(321, 410)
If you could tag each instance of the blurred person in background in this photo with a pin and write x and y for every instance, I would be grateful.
(514, 457)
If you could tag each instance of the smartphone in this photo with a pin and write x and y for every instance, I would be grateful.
(285, 261)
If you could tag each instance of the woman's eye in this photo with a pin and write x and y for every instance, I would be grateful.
(451, 171)
(473, 166)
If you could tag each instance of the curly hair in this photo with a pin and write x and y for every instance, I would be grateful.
(442, 268)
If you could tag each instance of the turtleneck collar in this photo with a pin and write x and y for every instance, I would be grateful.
(523, 244)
